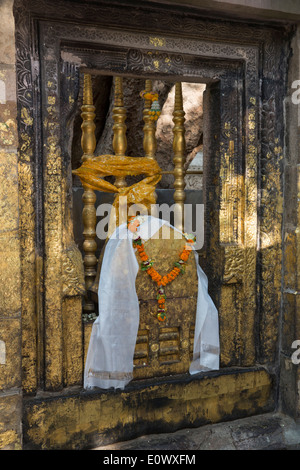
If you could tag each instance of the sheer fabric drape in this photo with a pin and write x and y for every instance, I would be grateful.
(109, 361)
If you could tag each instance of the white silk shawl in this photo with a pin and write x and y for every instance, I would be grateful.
(109, 361)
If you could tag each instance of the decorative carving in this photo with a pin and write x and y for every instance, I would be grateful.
(234, 264)
(27, 203)
(73, 282)
(271, 213)
(154, 20)
(154, 61)
(229, 196)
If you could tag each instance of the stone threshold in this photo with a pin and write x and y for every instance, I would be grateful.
(270, 431)
(89, 419)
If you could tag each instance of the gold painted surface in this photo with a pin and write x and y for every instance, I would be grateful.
(51, 100)
(119, 128)
(53, 217)
(10, 278)
(157, 41)
(39, 348)
(88, 144)
(88, 139)
(10, 371)
(10, 273)
(179, 150)
(72, 340)
(238, 235)
(228, 194)
(9, 440)
(271, 251)
(232, 297)
(230, 314)
(87, 330)
(248, 302)
(10, 423)
(8, 127)
(73, 282)
(28, 264)
(165, 348)
(26, 118)
(101, 418)
(232, 201)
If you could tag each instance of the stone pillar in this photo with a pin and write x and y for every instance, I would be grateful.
(289, 358)
(10, 289)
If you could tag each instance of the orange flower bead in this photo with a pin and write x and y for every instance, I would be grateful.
(162, 281)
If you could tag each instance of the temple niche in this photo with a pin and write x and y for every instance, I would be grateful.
(166, 349)
(236, 154)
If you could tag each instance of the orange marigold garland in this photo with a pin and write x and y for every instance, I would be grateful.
(147, 265)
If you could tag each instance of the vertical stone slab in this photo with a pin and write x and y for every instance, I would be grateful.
(10, 279)
(27, 198)
(290, 327)
(234, 168)
(53, 229)
(270, 209)
(62, 301)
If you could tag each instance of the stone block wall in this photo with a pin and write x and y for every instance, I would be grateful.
(10, 279)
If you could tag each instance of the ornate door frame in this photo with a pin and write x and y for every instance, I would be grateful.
(245, 69)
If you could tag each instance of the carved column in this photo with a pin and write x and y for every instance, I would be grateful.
(88, 144)
(119, 128)
(149, 128)
(179, 148)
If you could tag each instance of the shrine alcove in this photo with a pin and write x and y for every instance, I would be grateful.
(166, 349)
(243, 69)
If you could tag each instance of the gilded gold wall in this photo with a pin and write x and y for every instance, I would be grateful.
(10, 278)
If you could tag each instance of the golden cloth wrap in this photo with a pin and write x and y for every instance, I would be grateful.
(93, 170)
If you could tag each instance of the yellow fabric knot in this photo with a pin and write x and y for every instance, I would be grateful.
(93, 170)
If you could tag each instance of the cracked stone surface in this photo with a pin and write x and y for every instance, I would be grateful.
(272, 431)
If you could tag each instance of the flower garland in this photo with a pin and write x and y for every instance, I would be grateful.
(155, 110)
(147, 265)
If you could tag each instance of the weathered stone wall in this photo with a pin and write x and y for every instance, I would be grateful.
(290, 372)
(10, 279)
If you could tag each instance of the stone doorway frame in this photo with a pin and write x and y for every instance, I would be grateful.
(245, 69)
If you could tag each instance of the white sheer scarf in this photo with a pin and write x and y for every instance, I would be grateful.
(109, 361)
